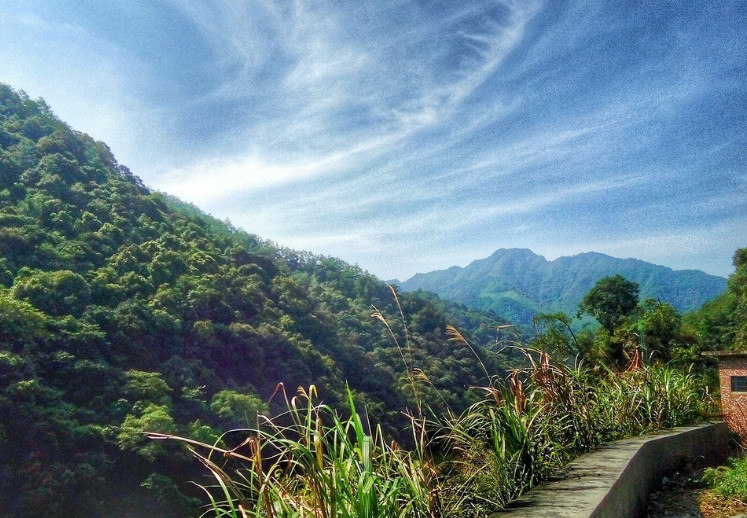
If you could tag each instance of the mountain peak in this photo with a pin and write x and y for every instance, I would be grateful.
(514, 252)
(516, 283)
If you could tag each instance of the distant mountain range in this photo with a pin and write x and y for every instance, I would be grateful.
(517, 283)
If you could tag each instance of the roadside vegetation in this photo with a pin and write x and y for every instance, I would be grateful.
(729, 481)
(467, 464)
(310, 461)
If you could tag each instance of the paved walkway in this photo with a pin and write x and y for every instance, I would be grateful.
(615, 479)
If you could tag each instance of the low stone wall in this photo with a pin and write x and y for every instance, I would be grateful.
(614, 480)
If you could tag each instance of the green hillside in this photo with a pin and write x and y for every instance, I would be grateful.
(517, 284)
(123, 310)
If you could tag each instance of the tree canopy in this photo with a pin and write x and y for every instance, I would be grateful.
(610, 300)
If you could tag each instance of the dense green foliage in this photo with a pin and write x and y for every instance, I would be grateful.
(465, 465)
(722, 322)
(545, 415)
(728, 481)
(610, 301)
(124, 311)
(475, 463)
(631, 331)
(518, 284)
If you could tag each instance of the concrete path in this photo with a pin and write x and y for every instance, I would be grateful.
(614, 480)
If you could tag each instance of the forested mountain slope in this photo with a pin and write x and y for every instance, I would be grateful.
(517, 283)
(123, 310)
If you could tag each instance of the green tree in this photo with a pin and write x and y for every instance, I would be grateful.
(722, 322)
(738, 286)
(21, 324)
(148, 386)
(57, 293)
(555, 334)
(610, 301)
(660, 325)
(238, 408)
(133, 432)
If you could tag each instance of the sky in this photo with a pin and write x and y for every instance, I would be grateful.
(408, 136)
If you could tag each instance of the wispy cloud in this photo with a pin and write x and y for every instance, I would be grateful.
(407, 135)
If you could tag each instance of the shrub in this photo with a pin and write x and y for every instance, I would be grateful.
(729, 481)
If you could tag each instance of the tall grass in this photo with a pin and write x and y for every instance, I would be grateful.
(546, 414)
(311, 462)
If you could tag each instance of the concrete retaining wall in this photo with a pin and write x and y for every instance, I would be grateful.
(615, 480)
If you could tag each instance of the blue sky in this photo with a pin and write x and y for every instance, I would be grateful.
(407, 136)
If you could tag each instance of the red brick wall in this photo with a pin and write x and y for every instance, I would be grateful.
(733, 405)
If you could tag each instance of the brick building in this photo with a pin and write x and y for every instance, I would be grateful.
(732, 371)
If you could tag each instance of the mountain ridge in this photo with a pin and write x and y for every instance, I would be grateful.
(517, 283)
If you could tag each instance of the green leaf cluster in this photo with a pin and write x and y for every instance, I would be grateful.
(722, 322)
(632, 331)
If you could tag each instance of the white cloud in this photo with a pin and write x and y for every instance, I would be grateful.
(409, 137)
